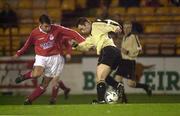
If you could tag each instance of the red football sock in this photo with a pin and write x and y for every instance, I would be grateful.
(27, 75)
(55, 90)
(62, 86)
(36, 93)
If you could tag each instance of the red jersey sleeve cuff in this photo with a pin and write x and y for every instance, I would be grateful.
(18, 53)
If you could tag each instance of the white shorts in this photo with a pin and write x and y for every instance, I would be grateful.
(53, 65)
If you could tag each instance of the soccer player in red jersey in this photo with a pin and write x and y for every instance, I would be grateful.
(48, 60)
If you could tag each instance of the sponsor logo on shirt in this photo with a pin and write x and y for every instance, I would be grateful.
(47, 45)
(51, 37)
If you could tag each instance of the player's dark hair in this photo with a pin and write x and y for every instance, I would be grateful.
(44, 19)
(81, 21)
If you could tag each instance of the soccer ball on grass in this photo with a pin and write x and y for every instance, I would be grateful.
(111, 96)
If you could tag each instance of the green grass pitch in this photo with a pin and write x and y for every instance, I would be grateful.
(79, 105)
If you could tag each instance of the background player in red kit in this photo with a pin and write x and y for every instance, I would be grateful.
(48, 60)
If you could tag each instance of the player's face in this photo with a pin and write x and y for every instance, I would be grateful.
(127, 28)
(45, 27)
(86, 28)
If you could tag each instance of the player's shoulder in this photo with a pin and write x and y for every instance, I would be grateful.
(35, 30)
(97, 23)
(55, 26)
(58, 26)
(106, 22)
(130, 36)
(133, 35)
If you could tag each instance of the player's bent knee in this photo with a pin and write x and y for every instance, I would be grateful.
(36, 75)
(44, 85)
(37, 71)
(45, 82)
(118, 78)
(103, 71)
(131, 83)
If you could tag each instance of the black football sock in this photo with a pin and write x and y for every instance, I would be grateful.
(101, 89)
(110, 81)
(139, 85)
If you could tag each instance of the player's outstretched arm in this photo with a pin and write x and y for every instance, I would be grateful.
(25, 47)
(72, 34)
(83, 46)
(68, 47)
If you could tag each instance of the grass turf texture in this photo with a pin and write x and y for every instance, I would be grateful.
(79, 105)
(93, 110)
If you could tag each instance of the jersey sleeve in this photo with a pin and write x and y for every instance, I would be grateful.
(67, 46)
(85, 45)
(72, 34)
(104, 27)
(27, 44)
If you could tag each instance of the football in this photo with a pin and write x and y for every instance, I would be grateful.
(111, 96)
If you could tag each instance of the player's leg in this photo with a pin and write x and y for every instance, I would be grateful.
(65, 89)
(55, 90)
(56, 69)
(147, 88)
(102, 72)
(56, 84)
(35, 73)
(60, 82)
(114, 83)
(103, 77)
(132, 78)
(118, 78)
(126, 69)
(108, 60)
(38, 70)
(39, 90)
(122, 95)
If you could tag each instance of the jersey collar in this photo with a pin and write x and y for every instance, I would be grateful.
(42, 30)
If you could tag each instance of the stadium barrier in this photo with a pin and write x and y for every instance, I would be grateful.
(80, 77)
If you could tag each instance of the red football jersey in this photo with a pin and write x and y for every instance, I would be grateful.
(46, 44)
(64, 46)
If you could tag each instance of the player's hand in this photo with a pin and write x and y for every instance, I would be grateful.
(15, 57)
(68, 57)
(124, 51)
(118, 30)
(73, 43)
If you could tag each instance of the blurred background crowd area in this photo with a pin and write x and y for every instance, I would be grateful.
(157, 22)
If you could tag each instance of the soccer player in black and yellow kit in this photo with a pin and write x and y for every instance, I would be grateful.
(130, 49)
(109, 54)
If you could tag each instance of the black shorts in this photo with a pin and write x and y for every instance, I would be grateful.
(110, 56)
(126, 69)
